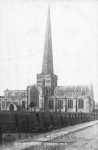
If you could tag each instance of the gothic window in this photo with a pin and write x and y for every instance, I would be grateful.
(50, 104)
(60, 104)
(43, 81)
(34, 95)
(11, 107)
(23, 104)
(81, 103)
(70, 103)
(3, 104)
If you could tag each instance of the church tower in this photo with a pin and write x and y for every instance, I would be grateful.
(47, 77)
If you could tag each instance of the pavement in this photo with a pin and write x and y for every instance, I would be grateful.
(38, 139)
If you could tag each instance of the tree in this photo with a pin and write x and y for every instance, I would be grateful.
(32, 105)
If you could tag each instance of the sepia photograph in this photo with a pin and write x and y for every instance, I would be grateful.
(48, 74)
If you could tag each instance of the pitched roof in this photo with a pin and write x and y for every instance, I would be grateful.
(71, 90)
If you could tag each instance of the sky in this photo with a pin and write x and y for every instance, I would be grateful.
(74, 25)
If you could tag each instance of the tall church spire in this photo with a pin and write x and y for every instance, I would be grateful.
(47, 66)
(47, 77)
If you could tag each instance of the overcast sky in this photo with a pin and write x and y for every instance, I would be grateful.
(74, 38)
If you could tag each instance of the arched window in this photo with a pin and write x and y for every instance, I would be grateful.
(70, 103)
(3, 104)
(43, 81)
(51, 104)
(11, 107)
(60, 104)
(34, 96)
(23, 104)
(81, 103)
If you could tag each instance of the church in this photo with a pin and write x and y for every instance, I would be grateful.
(46, 95)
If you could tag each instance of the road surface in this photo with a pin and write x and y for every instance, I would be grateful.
(85, 139)
(78, 137)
